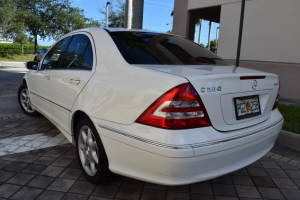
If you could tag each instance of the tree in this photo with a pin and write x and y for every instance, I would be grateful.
(7, 14)
(48, 19)
(116, 14)
(30, 40)
(22, 39)
(65, 20)
(213, 46)
(199, 23)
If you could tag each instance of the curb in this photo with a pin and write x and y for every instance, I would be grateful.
(284, 159)
(13, 64)
(289, 139)
(287, 101)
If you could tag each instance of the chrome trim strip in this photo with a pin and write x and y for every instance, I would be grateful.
(145, 140)
(189, 146)
(50, 101)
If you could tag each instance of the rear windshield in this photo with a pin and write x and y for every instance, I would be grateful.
(162, 49)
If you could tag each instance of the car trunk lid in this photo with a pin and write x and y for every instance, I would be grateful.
(228, 91)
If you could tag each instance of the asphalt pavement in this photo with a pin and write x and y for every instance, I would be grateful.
(10, 79)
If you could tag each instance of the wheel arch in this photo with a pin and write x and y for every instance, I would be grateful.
(77, 115)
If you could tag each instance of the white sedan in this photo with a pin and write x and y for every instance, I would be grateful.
(152, 106)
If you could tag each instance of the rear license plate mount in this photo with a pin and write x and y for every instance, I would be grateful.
(246, 107)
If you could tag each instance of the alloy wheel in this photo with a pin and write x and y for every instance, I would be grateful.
(25, 100)
(88, 150)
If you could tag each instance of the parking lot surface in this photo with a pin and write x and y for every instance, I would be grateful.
(37, 162)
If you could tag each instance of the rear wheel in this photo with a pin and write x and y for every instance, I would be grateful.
(25, 102)
(91, 153)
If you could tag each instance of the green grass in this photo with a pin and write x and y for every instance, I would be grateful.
(17, 57)
(291, 115)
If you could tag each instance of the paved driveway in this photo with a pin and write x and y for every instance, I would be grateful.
(10, 80)
(29, 169)
(37, 162)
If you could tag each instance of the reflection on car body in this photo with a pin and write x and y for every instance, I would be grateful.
(39, 55)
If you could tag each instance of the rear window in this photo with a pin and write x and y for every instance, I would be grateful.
(162, 49)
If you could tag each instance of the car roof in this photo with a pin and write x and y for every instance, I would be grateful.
(98, 30)
(126, 29)
(114, 30)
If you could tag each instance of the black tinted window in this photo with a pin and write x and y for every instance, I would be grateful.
(87, 60)
(79, 54)
(51, 60)
(155, 48)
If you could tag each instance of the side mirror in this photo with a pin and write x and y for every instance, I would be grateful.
(32, 65)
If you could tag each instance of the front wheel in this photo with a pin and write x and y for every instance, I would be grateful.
(25, 102)
(91, 153)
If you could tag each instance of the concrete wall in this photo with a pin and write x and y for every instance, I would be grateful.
(288, 75)
(181, 18)
(270, 37)
(195, 4)
(271, 31)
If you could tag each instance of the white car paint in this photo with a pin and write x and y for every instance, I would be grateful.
(114, 94)
(208, 76)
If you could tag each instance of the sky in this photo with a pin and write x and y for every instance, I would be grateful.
(157, 17)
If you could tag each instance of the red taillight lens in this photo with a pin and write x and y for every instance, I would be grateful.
(179, 108)
(277, 99)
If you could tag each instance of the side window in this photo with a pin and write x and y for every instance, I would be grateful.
(51, 60)
(87, 59)
(79, 54)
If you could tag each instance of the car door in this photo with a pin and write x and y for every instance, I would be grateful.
(38, 85)
(67, 81)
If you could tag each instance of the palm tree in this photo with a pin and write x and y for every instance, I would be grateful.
(199, 23)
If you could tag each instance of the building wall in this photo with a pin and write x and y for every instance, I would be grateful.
(5, 40)
(271, 31)
(288, 75)
(195, 4)
(270, 37)
(180, 18)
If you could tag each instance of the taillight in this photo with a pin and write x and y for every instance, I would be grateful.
(179, 108)
(277, 99)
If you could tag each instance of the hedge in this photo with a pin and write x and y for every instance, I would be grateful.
(15, 48)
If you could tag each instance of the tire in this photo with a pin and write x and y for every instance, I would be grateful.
(35, 59)
(24, 101)
(91, 153)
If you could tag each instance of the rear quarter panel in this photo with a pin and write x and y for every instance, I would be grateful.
(122, 97)
(120, 92)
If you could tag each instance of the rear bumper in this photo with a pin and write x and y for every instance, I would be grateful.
(170, 164)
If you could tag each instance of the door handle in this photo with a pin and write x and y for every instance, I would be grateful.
(47, 77)
(74, 81)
